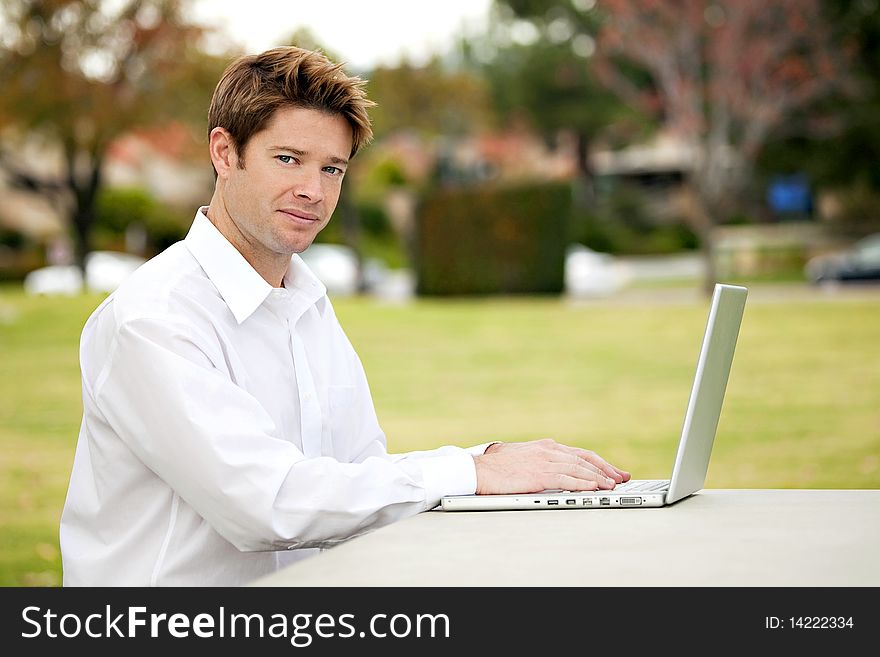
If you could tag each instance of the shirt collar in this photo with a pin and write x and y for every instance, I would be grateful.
(241, 287)
(299, 278)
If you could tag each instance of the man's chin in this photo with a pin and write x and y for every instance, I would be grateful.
(290, 244)
(300, 240)
(301, 247)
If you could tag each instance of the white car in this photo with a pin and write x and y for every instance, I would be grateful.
(105, 270)
(336, 266)
(591, 273)
(54, 280)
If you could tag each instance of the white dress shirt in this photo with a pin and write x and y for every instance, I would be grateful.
(228, 429)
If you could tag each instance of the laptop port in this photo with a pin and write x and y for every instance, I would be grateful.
(604, 501)
(571, 501)
(630, 501)
(587, 502)
(553, 502)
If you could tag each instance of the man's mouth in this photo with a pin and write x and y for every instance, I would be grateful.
(299, 216)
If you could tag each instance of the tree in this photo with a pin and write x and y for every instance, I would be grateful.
(79, 73)
(541, 72)
(726, 75)
(847, 150)
(429, 99)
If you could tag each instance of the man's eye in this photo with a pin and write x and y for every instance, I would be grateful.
(336, 171)
(286, 159)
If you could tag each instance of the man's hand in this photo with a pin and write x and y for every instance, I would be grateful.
(542, 465)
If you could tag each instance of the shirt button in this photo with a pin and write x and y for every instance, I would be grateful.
(308, 396)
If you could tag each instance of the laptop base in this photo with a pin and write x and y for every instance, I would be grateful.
(560, 500)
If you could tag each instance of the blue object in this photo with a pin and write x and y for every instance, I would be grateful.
(790, 195)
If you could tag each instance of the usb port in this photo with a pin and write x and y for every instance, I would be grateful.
(571, 501)
(553, 502)
(604, 501)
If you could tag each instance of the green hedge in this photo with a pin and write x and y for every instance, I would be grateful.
(117, 208)
(493, 240)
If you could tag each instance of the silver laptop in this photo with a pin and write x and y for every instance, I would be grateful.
(694, 447)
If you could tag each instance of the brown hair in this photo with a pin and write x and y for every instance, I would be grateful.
(253, 87)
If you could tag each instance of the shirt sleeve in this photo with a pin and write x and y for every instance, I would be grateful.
(217, 447)
(440, 481)
(447, 470)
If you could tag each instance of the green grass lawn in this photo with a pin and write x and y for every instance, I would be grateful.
(802, 410)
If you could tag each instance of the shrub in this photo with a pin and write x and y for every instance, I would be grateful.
(493, 240)
(624, 223)
(118, 208)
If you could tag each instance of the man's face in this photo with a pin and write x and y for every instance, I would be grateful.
(290, 183)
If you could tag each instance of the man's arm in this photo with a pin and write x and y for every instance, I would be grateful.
(214, 444)
(500, 467)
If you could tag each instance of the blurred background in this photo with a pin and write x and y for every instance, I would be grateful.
(526, 249)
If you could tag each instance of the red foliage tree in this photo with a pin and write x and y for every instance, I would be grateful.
(725, 75)
(80, 73)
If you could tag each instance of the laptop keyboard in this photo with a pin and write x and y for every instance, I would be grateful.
(641, 486)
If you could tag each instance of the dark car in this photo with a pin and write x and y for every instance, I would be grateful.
(861, 262)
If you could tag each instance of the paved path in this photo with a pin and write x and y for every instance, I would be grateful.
(758, 293)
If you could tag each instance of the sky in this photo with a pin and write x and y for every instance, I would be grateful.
(362, 33)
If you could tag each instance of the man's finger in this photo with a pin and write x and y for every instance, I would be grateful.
(572, 483)
(599, 462)
(583, 472)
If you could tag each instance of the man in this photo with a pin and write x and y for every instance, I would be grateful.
(228, 428)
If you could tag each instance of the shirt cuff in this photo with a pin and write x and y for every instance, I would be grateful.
(479, 450)
(451, 474)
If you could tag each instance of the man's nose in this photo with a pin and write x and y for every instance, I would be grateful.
(307, 186)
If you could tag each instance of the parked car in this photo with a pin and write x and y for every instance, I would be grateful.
(54, 280)
(591, 273)
(861, 262)
(336, 266)
(105, 270)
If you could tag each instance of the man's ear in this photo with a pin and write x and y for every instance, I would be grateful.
(222, 150)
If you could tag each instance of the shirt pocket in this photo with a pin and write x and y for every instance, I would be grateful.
(342, 422)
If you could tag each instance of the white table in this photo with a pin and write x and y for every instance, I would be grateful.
(713, 538)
